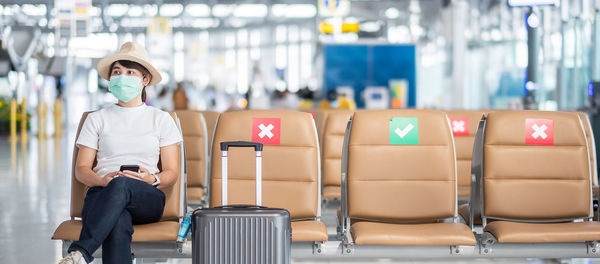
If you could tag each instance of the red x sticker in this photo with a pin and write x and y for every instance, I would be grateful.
(460, 126)
(539, 131)
(266, 130)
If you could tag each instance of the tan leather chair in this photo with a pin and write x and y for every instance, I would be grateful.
(197, 128)
(211, 118)
(320, 119)
(464, 149)
(401, 194)
(163, 231)
(535, 193)
(592, 147)
(290, 170)
(333, 139)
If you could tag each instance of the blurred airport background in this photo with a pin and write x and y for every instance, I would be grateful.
(307, 55)
(219, 55)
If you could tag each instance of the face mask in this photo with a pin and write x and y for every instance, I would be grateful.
(124, 87)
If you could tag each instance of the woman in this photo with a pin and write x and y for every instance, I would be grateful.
(127, 133)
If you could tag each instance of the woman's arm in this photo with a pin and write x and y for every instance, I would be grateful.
(169, 158)
(83, 168)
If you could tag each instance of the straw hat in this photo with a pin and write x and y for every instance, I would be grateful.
(130, 51)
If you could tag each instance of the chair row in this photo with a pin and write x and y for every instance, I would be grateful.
(412, 155)
(291, 178)
(531, 184)
(332, 125)
(399, 174)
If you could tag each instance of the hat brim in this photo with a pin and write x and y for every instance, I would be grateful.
(104, 64)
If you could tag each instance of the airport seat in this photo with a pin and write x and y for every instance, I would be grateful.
(197, 128)
(290, 168)
(320, 119)
(401, 193)
(464, 136)
(333, 139)
(592, 146)
(163, 231)
(536, 180)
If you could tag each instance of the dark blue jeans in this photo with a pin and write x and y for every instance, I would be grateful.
(109, 214)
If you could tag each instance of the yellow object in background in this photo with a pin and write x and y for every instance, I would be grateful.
(42, 109)
(350, 27)
(346, 104)
(24, 120)
(306, 104)
(324, 105)
(58, 124)
(326, 28)
(13, 119)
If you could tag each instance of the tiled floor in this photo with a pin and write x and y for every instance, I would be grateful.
(34, 199)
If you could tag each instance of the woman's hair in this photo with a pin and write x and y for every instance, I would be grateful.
(133, 65)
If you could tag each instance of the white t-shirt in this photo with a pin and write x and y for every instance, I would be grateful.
(128, 136)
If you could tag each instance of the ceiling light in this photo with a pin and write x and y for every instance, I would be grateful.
(34, 10)
(222, 10)
(151, 10)
(251, 10)
(171, 10)
(135, 11)
(392, 13)
(198, 10)
(117, 10)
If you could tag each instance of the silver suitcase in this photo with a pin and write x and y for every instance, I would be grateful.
(231, 234)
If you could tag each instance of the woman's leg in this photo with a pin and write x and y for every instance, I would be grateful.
(117, 246)
(101, 214)
(143, 201)
(145, 206)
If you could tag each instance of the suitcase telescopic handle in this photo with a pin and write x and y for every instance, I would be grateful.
(242, 206)
(258, 147)
(241, 144)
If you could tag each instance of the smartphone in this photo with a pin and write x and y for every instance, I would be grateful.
(134, 168)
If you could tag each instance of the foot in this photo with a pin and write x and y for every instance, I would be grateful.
(75, 257)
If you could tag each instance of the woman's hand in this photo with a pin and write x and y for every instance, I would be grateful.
(109, 177)
(144, 175)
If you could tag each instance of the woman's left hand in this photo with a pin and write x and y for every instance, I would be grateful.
(144, 175)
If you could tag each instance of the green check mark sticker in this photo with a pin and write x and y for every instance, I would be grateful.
(404, 131)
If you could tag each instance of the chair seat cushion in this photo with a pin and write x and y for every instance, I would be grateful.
(160, 231)
(513, 232)
(195, 193)
(332, 192)
(308, 231)
(434, 234)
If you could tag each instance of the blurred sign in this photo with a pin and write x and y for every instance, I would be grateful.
(159, 42)
(72, 18)
(329, 8)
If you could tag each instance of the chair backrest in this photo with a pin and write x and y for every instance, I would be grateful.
(211, 118)
(464, 126)
(332, 145)
(290, 169)
(401, 166)
(173, 202)
(536, 166)
(591, 145)
(195, 136)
